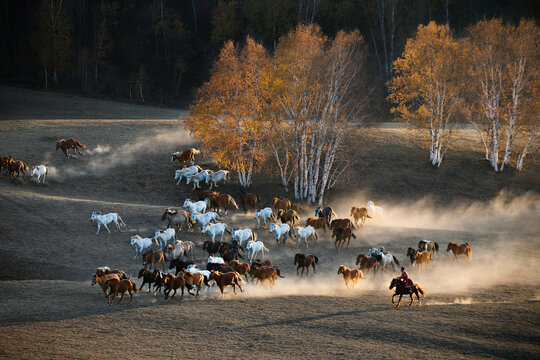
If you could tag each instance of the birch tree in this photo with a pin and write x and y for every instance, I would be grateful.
(229, 110)
(427, 85)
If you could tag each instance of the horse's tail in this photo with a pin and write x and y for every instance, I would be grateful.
(279, 273)
(436, 246)
(420, 290)
(234, 202)
(334, 214)
(316, 259)
(120, 220)
(352, 225)
(80, 144)
(254, 235)
(395, 260)
(369, 217)
(227, 230)
(354, 236)
(46, 170)
(265, 249)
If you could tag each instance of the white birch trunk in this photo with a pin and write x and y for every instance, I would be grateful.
(530, 142)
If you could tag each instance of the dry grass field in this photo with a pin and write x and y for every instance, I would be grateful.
(489, 308)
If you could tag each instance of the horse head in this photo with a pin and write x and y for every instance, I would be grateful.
(341, 269)
(59, 143)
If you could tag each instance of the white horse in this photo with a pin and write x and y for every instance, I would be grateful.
(215, 260)
(107, 219)
(280, 231)
(204, 219)
(242, 235)
(189, 247)
(305, 233)
(164, 236)
(386, 259)
(255, 247)
(215, 229)
(216, 177)
(175, 251)
(195, 207)
(185, 172)
(40, 171)
(141, 244)
(263, 214)
(374, 211)
(198, 178)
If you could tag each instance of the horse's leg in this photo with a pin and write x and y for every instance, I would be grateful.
(122, 297)
(98, 227)
(313, 264)
(399, 300)
(106, 227)
(393, 296)
(412, 299)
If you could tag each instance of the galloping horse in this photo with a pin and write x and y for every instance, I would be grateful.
(460, 249)
(350, 275)
(367, 263)
(224, 279)
(422, 258)
(222, 201)
(66, 144)
(326, 213)
(281, 204)
(288, 216)
(402, 290)
(185, 155)
(4, 161)
(17, 167)
(304, 261)
(341, 223)
(428, 245)
(342, 236)
(248, 199)
(121, 286)
(359, 214)
(317, 223)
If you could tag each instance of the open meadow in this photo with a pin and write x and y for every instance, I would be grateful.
(488, 308)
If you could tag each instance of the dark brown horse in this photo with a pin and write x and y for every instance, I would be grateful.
(350, 275)
(153, 258)
(212, 247)
(241, 268)
(185, 155)
(281, 204)
(222, 201)
(401, 290)
(460, 249)
(317, 223)
(341, 223)
(359, 214)
(304, 262)
(288, 217)
(17, 167)
(4, 161)
(342, 236)
(263, 273)
(173, 283)
(367, 263)
(203, 194)
(248, 199)
(66, 144)
(121, 286)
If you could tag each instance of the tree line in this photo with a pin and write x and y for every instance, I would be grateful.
(160, 51)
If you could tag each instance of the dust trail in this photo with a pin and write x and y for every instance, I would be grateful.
(103, 158)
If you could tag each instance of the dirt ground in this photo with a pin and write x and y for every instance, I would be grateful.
(489, 308)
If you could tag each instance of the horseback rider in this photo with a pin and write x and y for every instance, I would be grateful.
(405, 277)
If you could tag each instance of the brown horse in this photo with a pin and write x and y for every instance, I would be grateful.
(66, 144)
(154, 258)
(317, 223)
(342, 236)
(304, 261)
(226, 279)
(341, 223)
(401, 290)
(101, 280)
(367, 263)
(121, 286)
(17, 167)
(428, 245)
(193, 279)
(4, 161)
(241, 268)
(173, 283)
(222, 201)
(203, 194)
(359, 214)
(185, 155)
(281, 204)
(460, 249)
(248, 199)
(263, 273)
(422, 258)
(350, 275)
(288, 217)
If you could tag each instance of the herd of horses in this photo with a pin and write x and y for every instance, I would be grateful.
(227, 269)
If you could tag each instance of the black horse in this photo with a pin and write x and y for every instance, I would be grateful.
(212, 247)
(180, 265)
(401, 290)
(325, 212)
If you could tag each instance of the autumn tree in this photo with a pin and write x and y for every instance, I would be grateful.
(427, 86)
(52, 39)
(318, 96)
(229, 110)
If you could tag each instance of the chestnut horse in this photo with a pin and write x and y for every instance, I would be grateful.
(304, 261)
(367, 263)
(263, 273)
(248, 199)
(102, 281)
(350, 275)
(281, 204)
(317, 223)
(342, 236)
(460, 249)
(173, 283)
(401, 290)
(121, 286)
(193, 279)
(184, 156)
(241, 268)
(66, 144)
(422, 258)
(226, 279)
(359, 214)
(154, 258)
(288, 216)
(341, 223)
(222, 201)
(17, 167)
